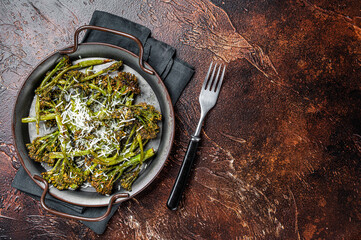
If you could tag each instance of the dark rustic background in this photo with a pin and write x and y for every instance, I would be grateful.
(280, 156)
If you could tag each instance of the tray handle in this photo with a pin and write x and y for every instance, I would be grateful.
(96, 219)
(141, 49)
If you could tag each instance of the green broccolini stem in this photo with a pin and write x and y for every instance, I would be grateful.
(93, 97)
(61, 64)
(115, 66)
(139, 139)
(109, 89)
(83, 64)
(92, 86)
(48, 136)
(46, 117)
(64, 133)
(70, 154)
(37, 114)
(136, 159)
(54, 137)
(129, 100)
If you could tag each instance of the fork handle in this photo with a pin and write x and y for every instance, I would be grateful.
(181, 181)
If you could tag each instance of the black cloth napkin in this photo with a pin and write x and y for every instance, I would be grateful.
(174, 72)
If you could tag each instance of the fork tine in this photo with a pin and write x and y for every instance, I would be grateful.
(211, 79)
(219, 84)
(207, 77)
(216, 80)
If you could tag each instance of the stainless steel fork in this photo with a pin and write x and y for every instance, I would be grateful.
(207, 99)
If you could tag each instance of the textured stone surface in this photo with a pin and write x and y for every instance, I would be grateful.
(280, 153)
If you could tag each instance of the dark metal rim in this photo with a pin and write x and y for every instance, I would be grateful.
(169, 102)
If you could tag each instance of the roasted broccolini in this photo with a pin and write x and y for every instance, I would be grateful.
(100, 134)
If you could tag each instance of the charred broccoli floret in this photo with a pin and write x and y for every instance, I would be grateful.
(40, 147)
(103, 178)
(147, 119)
(65, 175)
